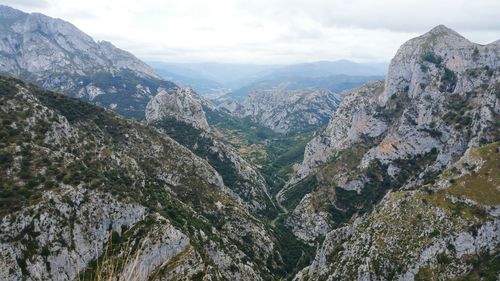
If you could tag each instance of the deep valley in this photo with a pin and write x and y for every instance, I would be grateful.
(111, 169)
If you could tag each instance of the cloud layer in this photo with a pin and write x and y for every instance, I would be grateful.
(269, 31)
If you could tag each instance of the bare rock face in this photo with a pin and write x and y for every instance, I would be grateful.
(352, 119)
(181, 104)
(92, 216)
(286, 111)
(440, 98)
(58, 56)
(415, 76)
(39, 44)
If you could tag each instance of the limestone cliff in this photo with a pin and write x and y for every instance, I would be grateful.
(286, 111)
(440, 98)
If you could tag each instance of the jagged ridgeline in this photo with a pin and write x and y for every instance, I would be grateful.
(398, 180)
(403, 183)
(286, 111)
(84, 190)
(58, 56)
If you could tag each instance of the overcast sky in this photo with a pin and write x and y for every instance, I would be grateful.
(268, 31)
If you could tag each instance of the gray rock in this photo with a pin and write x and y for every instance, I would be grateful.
(286, 110)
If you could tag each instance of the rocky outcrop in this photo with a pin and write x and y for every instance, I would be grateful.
(89, 191)
(181, 115)
(286, 111)
(353, 119)
(74, 216)
(448, 230)
(182, 104)
(439, 99)
(58, 56)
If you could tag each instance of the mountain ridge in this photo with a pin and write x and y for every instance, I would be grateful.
(384, 163)
(396, 179)
(286, 111)
(97, 179)
(58, 56)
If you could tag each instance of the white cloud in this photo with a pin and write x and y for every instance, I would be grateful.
(269, 31)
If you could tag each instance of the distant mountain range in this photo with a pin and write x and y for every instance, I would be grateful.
(334, 83)
(235, 81)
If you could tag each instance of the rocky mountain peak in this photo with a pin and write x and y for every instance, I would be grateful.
(438, 37)
(443, 30)
(440, 97)
(56, 55)
(181, 104)
(8, 12)
(440, 49)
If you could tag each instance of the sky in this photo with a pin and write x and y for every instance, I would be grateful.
(268, 31)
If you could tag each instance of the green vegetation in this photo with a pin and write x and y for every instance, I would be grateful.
(294, 194)
(475, 54)
(273, 153)
(349, 202)
(394, 107)
(481, 186)
(431, 57)
(203, 146)
(485, 267)
(443, 258)
(282, 154)
(87, 160)
(448, 81)
(458, 115)
(378, 182)
(295, 254)
(243, 129)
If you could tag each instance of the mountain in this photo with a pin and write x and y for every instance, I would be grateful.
(286, 111)
(403, 182)
(58, 56)
(182, 116)
(396, 179)
(182, 104)
(334, 76)
(336, 83)
(86, 193)
(235, 81)
(446, 230)
(200, 82)
(117, 78)
(226, 75)
(332, 68)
